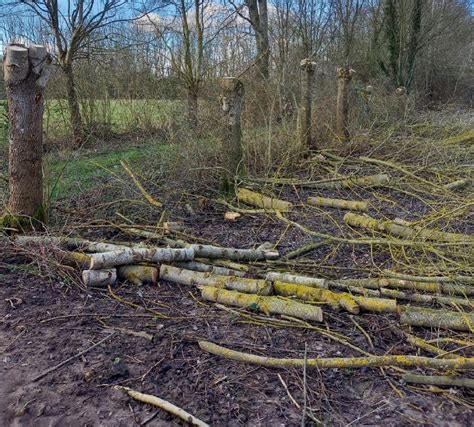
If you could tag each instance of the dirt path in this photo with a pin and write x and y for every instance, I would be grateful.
(172, 366)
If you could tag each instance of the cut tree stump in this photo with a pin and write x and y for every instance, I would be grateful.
(102, 278)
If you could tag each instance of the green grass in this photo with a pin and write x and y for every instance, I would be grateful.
(66, 178)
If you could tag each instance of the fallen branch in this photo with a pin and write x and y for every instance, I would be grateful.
(435, 279)
(444, 319)
(338, 203)
(149, 198)
(339, 362)
(163, 404)
(208, 268)
(404, 231)
(137, 255)
(306, 293)
(253, 198)
(265, 304)
(192, 278)
(438, 380)
(457, 185)
(208, 251)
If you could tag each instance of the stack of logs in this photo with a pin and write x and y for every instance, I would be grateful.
(222, 277)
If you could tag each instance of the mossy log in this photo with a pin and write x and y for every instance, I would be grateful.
(265, 304)
(355, 205)
(253, 198)
(138, 274)
(438, 380)
(208, 268)
(370, 181)
(443, 319)
(339, 362)
(213, 252)
(137, 255)
(398, 230)
(102, 278)
(305, 293)
(192, 278)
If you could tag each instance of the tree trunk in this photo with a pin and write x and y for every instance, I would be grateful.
(308, 67)
(232, 95)
(192, 108)
(73, 104)
(344, 76)
(26, 71)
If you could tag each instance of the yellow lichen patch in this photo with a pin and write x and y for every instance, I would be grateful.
(306, 293)
(256, 199)
(264, 304)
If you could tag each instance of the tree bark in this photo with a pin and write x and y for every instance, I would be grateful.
(73, 104)
(232, 96)
(26, 71)
(344, 76)
(308, 67)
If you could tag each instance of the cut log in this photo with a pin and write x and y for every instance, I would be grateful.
(253, 198)
(241, 284)
(398, 230)
(436, 279)
(207, 268)
(267, 305)
(369, 181)
(355, 205)
(427, 299)
(339, 362)
(438, 380)
(296, 279)
(134, 256)
(443, 319)
(138, 274)
(305, 293)
(102, 278)
(212, 252)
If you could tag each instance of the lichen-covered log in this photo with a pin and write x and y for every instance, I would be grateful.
(189, 277)
(138, 274)
(433, 287)
(398, 230)
(438, 380)
(101, 278)
(297, 279)
(253, 198)
(430, 318)
(208, 268)
(436, 279)
(137, 255)
(265, 304)
(355, 205)
(212, 252)
(370, 181)
(339, 362)
(426, 299)
(305, 293)
(458, 184)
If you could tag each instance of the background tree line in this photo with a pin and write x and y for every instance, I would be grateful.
(177, 49)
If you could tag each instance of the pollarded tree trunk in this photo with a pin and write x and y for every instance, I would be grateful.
(308, 67)
(344, 76)
(73, 104)
(232, 96)
(26, 72)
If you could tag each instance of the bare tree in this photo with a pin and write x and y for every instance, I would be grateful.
(73, 23)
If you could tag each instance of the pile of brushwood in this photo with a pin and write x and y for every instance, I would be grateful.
(422, 263)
